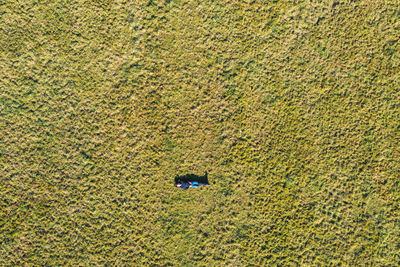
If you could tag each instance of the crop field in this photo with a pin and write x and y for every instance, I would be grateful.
(293, 108)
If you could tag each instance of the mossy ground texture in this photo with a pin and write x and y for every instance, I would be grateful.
(293, 107)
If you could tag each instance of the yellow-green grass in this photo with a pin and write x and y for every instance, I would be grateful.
(292, 106)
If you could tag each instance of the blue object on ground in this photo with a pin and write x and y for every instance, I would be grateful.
(191, 180)
(189, 184)
(185, 185)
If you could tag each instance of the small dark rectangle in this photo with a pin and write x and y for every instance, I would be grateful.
(191, 181)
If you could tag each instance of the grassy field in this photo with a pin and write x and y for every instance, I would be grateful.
(293, 107)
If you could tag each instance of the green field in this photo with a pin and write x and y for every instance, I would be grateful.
(293, 107)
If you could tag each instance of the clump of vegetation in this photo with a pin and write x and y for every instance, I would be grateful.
(293, 106)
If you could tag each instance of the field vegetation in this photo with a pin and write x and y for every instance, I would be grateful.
(293, 108)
